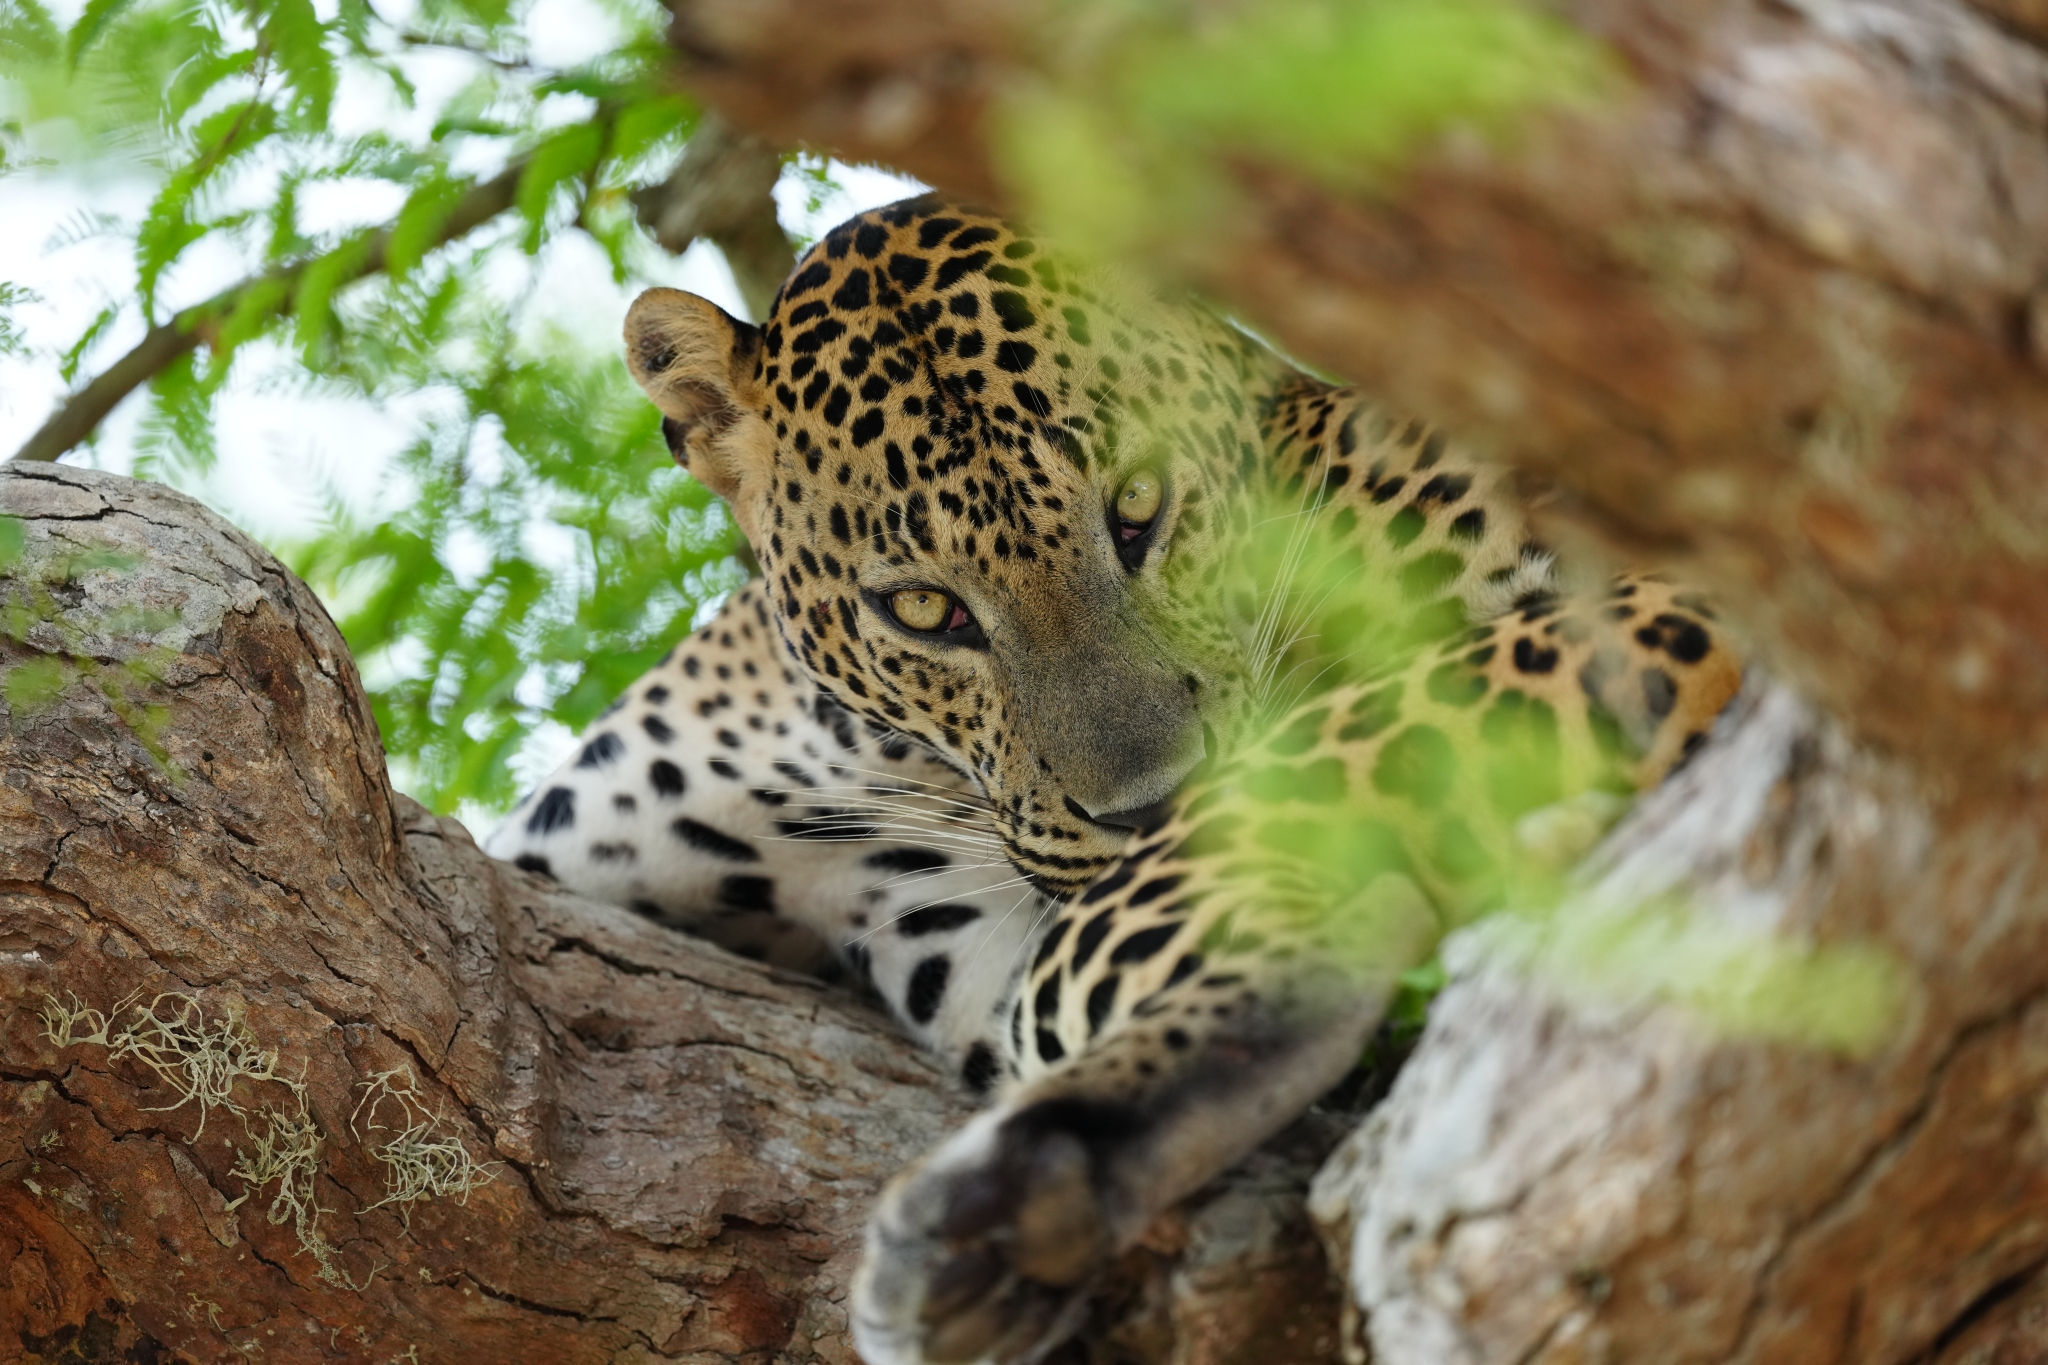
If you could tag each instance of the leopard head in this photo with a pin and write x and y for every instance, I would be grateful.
(992, 497)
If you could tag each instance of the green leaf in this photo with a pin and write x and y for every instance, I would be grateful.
(12, 296)
(34, 686)
(298, 44)
(418, 225)
(560, 158)
(27, 34)
(68, 363)
(196, 78)
(92, 22)
(177, 428)
(255, 308)
(645, 125)
(313, 300)
(222, 138)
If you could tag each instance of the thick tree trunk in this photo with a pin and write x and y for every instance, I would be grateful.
(671, 1150)
(1776, 318)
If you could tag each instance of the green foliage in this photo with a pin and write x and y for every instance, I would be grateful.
(1137, 137)
(226, 106)
(560, 158)
(474, 633)
(1344, 88)
(1471, 817)
(545, 549)
(33, 686)
(12, 296)
(1418, 986)
(1847, 997)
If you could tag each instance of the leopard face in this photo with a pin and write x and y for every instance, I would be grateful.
(995, 500)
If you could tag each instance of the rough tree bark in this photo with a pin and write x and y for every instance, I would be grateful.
(1776, 318)
(681, 1145)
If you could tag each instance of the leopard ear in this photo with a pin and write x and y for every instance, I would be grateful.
(697, 362)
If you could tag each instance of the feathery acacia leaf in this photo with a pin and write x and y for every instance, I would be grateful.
(543, 549)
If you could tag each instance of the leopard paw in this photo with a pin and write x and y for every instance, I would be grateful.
(984, 1250)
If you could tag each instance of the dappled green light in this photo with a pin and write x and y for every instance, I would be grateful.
(1347, 88)
(1132, 146)
(65, 636)
(1847, 997)
(1449, 808)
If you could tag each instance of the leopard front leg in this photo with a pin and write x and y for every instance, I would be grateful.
(1195, 1038)
(1206, 989)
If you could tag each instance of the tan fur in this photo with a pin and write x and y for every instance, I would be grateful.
(696, 362)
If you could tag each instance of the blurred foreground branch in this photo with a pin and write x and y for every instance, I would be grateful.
(1773, 311)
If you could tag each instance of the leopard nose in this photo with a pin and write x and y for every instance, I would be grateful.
(1138, 819)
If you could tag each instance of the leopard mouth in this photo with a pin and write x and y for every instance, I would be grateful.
(1137, 820)
(1057, 876)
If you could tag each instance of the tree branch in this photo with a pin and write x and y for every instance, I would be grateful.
(77, 416)
(2027, 17)
(723, 188)
(682, 1145)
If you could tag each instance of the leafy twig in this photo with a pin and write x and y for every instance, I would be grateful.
(482, 54)
(76, 417)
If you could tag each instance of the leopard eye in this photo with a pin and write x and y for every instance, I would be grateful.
(925, 609)
(1137, 502)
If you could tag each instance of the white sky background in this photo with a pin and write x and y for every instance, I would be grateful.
(283, 448)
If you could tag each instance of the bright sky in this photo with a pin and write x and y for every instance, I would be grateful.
(280, 447)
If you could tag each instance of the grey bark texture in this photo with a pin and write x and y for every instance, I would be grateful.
(1611, 1181)
(680, 1145)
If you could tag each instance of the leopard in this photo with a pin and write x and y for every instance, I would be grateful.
(1205, 695)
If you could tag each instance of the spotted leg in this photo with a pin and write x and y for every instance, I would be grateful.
(985, 1250)
(727, 796)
